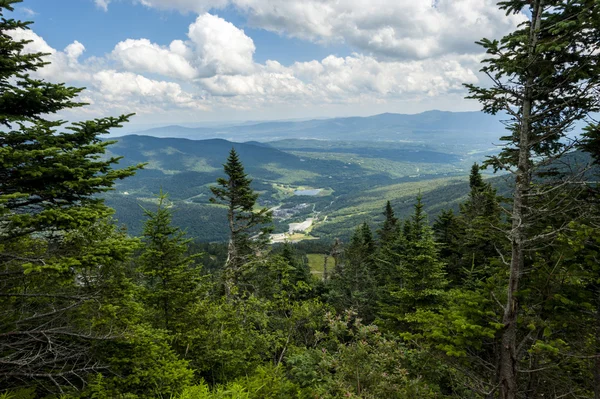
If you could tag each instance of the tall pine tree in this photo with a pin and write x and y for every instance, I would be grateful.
(545, 76)
(248, 233)
(61, 261)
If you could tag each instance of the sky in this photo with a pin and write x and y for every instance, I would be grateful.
(193, 61)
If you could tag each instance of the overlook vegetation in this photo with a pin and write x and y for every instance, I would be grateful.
(443, 284)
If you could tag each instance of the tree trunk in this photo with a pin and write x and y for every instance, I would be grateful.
(508, 349)
(231, 264)
(596, 360)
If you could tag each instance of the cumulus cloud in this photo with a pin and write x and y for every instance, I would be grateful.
(220, 47)
(343, 80)
(109, 90)
(214, 67)
(215, 47)
(144, 56)
(400, 29)
(122, 87)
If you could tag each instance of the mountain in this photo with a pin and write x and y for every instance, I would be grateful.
(424, 127)
(349, 179)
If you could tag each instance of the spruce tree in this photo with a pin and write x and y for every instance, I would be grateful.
(61, 260)
(352, 286)
(416, 278)
(545, 76)
(390, 225)
(247, 231)
(170, 275)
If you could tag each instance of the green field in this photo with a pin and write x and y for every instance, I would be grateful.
(316, 263)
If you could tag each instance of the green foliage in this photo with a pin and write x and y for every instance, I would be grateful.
(390, 225)
(235, 193)
(142, 366)
(415, 275)
(355, 360)
(268, 382)
(171, 277)
(352, 282)
(64, 262)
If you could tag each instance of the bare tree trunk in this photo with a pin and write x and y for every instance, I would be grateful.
(508, 349)
(596, 360)
(231, 264)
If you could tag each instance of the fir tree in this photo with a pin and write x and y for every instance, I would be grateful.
(237, 195)
(352, 286)
(417, 279)
(171, 277)
(61, 260)
(545, 76)
(390, 225)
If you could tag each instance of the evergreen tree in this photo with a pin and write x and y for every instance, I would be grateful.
(416, 225)
(62, 263)
(417, 279)
(301, 270)
(390, 226)
(449, 233)
(235, 193)
(545, 76)
(352, 285)
(170, 275)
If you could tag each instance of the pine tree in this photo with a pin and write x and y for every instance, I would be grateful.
(415, 226)
(61, 260)
(390, 225)
(417, 277)
(545, 76)
(352, 285)
(237, 195)
(170, 275)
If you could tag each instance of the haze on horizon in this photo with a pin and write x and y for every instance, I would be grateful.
(195, 61)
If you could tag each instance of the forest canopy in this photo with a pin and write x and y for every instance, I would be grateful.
(500, 299)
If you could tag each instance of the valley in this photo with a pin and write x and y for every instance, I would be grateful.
(317, 188)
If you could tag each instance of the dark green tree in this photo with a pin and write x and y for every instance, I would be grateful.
(352, 284)
(416, 277)
(545, 75)
(390, 225)
(171, 277)
(62, 263)
(247, 232)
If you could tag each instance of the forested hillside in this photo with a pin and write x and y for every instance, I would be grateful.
(352, 180)
(429, 280)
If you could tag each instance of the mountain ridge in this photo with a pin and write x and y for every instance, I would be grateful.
(382, 127)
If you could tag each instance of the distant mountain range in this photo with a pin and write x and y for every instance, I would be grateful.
(422, 127)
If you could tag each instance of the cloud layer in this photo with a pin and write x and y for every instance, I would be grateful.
(404, 51)
(400, 29)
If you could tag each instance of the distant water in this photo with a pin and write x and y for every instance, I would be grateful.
(308, 192)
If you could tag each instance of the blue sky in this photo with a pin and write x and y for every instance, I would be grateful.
(83, 21)
(187, 61)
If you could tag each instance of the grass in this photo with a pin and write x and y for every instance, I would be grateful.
(316, 263)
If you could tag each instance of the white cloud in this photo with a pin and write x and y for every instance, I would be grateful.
(144, 56)
(103, 4)
(400, 29)
(215, 47)
(27, 11)
(109, 91)
(74, 50)
(220, 47)
(214, 70)
(335, 80)
(142, 94)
